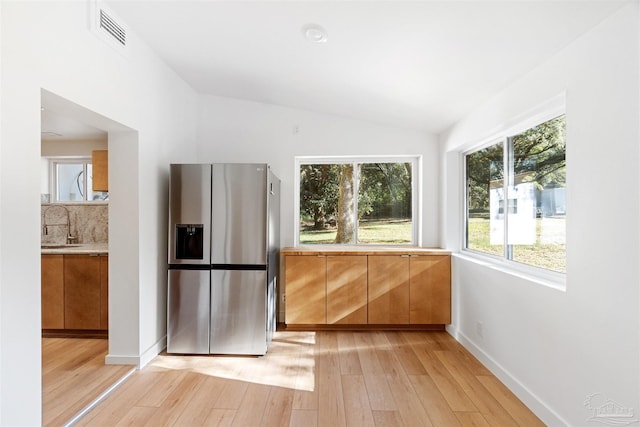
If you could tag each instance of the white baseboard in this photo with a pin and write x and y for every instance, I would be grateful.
(153, 351)
(138, 361)
(531, 400)
(121, 360)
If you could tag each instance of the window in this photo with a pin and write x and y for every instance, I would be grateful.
(71, 180)
(515, 197)
(357, 201)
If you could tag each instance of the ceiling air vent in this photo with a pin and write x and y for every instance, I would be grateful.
(108, 24)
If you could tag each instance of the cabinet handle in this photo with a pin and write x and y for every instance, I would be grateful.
(404, 256)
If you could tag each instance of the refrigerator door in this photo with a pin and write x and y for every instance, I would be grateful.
(189, 214)
(239, 214)
(238, 312)
(274, 252)
(188, 311)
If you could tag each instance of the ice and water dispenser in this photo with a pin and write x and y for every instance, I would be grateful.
(189, 241)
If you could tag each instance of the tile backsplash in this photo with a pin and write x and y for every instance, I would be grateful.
(89, 222)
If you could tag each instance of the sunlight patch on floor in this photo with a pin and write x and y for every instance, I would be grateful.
(289, 363)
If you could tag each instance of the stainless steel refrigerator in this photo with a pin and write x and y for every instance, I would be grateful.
(223, 258)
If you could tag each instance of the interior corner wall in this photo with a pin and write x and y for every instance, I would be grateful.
(566, 353)
(48, 45)
(232, 130)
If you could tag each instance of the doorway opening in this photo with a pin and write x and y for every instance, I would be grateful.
(77, 221)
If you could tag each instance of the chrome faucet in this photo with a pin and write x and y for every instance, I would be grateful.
(45, 226)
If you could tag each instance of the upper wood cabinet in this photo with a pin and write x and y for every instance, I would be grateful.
(388, 289)
(100, 165)
(306, 293)
(430, 289)
(347, 289)
(52, 291)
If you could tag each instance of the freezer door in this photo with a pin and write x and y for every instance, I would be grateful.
(189, 213)
(238, 312)
(239, 214)
(188, 311)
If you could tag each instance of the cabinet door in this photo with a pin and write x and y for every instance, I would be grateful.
(100, 168)
(81, 292)
(104, 292)
(430, 289)
(347, 289)
(306, 292)
(388, 294)
(52, 291)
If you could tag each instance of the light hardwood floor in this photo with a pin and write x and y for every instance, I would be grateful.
(73, 375)
(319, 379)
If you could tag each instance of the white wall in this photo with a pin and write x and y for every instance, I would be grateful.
(554, 347)
(2, 363)
(151, 118)
(233, 130)
(73, 148)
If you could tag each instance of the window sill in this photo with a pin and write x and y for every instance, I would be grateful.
(355, 246)
(549, 279)
(78, 203)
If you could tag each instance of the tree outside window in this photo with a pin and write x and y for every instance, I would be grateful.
(357, 202)
(516, 197)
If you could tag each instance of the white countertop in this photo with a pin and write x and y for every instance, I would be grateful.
(79, 248)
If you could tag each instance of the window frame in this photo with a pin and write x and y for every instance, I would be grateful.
(552, 109)
(53, 162)
(416, 196)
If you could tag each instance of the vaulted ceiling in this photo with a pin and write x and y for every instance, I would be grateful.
(415, 64)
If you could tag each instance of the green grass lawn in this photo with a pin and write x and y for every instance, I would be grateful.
(380, 232)
(548, 252)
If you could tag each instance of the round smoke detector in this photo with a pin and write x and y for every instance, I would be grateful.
(314, 33)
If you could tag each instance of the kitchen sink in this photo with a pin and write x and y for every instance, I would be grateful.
(57, 245)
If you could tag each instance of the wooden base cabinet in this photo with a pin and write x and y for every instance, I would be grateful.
(347, 290)
(306, 294)
(104, 292)
(326, 289)
(430, 289)
(75, 290)
(52, 291)
(388, 297)
(82, 292)
(377, 288)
